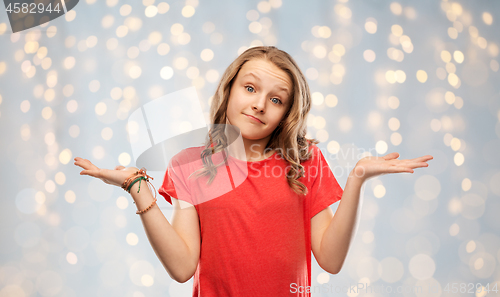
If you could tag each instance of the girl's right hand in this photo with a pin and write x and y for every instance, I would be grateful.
(112, 177)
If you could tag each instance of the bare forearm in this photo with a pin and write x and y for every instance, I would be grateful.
(168, 246)
(339, 234)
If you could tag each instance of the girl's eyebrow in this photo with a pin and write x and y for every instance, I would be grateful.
(257, 78)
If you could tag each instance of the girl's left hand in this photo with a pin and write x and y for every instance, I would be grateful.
(369, 167)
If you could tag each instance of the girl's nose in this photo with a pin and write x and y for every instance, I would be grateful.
(259, 104)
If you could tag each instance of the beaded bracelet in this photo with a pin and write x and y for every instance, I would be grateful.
(146, 209)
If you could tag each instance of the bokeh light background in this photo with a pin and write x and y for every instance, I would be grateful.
(415, 77)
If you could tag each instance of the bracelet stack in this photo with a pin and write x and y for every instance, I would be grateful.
(138, 176)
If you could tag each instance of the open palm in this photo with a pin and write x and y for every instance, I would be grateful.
(113, 177)
(369, 167)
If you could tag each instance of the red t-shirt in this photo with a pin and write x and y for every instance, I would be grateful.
(255, 230)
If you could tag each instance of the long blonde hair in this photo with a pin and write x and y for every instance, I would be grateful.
(288, 138)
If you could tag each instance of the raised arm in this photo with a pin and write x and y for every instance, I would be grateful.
(176, 244)
(331, 236)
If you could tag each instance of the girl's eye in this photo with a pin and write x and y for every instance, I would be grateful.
(277, 102)
(250, 88)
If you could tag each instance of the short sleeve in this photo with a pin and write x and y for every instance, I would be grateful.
(324, 190)
(167, 189)
(174, 183)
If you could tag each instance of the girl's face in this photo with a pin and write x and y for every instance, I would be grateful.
(260, 90)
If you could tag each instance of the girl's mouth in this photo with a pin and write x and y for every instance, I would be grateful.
(254, 118)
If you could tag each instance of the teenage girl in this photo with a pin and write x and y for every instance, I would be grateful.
(256, 238)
